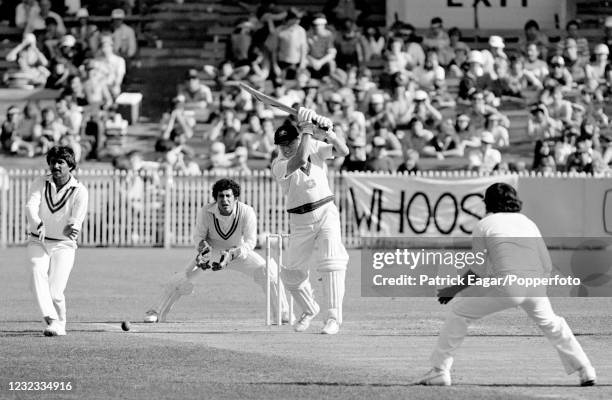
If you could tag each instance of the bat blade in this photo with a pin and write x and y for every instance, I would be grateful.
(264, 98)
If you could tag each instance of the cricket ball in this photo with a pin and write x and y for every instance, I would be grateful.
(125, 325)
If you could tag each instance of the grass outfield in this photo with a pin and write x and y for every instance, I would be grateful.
(215, 344)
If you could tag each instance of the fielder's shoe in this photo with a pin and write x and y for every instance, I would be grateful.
(331, 327)
(587, 376)
(435, 377)
(151, 316)
(54, 329)
(304, 321)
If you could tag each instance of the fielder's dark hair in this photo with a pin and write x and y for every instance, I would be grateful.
(501, 197)
(62, 153)
(532, 24)
(224, 184)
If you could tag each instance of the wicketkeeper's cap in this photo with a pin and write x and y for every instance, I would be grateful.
(285, 134)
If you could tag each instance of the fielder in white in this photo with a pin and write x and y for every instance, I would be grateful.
(56, 208)
(514, 246)
(314, 220)
(225, 235)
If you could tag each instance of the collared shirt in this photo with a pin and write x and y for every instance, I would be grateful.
(124, 41)
(292, 44)
(309, 183)
(56, 208)
(513, 245)
(239, 229)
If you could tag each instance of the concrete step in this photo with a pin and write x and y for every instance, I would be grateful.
(173, 17)
(148, 52)
(186, 62)
(205, 50)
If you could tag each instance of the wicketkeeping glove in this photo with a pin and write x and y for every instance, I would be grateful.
(223, 261)
(203, 257)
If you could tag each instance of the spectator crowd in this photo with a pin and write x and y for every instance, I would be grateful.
(83, 63)
(396, 97)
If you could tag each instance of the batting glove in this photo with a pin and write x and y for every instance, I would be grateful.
(306, 115)
(330, 134)
(322, 122)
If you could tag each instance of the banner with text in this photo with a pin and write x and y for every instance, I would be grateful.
(492, 14)
(400, 206)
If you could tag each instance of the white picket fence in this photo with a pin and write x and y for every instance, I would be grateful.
(128, 209)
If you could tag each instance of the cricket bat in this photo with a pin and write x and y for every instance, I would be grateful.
(268, 100)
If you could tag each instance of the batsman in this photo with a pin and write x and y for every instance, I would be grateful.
(314, 220)
(225, 235)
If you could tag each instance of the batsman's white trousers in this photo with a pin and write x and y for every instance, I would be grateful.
(316, 240)
(50, 264)
(466, 309)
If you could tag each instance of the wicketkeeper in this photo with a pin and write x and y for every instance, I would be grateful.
(225, 235)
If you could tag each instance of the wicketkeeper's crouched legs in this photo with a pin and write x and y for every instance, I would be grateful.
(255, 265)
(178, 286)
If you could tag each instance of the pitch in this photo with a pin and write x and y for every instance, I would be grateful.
(215, 344)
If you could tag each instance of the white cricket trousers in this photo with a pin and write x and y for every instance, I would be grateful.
(50, 265)
(465, 310)
(253, 265)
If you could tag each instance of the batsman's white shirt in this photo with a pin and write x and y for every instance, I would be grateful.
(307, 184)
(56, 208)
(239, 229)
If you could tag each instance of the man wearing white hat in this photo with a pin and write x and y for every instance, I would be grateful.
(124, 38)
(495, 52)
(86, 34)
(486, 158)
(475, 79)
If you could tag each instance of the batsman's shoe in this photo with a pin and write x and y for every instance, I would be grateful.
(54, 329)
(151, 317)
(331, 327)
(587, 376)
(304, 321)
(435, 377)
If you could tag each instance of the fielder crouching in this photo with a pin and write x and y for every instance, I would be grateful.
(225, 235)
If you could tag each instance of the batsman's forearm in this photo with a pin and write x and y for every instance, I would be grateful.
(340, 147)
